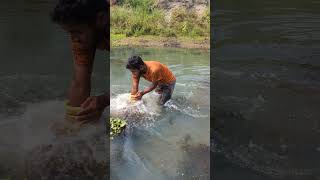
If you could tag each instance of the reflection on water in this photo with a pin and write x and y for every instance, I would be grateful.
(170, 142)
(266, 89)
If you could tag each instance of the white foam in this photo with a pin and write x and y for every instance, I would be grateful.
(147, 108)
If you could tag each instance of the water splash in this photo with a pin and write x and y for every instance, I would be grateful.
(146, 109)
(35, 138)
(186, 109)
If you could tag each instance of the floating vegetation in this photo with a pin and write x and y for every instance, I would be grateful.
(117, 125)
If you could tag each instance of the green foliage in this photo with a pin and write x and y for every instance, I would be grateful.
(141, 17)
(116, 126)
(187, 23)
(146, 5)
(136, 22)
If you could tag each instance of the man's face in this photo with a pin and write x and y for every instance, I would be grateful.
(93, 35)
(81, 34)
(135, 72)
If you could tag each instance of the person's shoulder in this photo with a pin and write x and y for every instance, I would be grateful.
(154, 65)
(152, 62)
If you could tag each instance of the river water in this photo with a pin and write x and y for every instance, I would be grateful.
(266, 94)
(170, 142)
(35, 71)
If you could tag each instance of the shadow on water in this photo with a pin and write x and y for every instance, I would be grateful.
(266, 90)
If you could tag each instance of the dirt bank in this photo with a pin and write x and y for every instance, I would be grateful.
(154, 41)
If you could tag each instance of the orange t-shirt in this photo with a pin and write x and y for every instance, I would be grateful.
(158, 72)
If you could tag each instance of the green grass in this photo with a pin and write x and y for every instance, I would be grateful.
(116, 37)
(141, 18)
(158, 41)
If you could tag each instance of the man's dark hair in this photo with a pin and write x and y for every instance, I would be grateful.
(135, 62)
(78, 11)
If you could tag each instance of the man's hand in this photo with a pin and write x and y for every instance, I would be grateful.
(92, 108)
(137, 96)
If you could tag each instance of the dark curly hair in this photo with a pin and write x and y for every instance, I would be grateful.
(135, 62)
(78, 11)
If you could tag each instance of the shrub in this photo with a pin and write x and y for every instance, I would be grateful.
(140, 17)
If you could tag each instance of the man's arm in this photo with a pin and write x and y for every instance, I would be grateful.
(139, 94)
(80, 86)
(83, 57)
(155, 79)
(150, 88)
(135, 84)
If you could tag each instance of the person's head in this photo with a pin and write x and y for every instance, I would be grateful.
(87, 21)
(136, 65)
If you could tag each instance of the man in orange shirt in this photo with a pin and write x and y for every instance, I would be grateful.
(87, 23)
(162, 79)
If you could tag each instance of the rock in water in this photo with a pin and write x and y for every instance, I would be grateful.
(66, 160)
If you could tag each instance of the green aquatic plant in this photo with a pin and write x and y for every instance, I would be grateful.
(117, 125)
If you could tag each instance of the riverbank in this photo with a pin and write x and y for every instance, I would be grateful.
(158, 41)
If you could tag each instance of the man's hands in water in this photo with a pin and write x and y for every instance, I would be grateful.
(92, 108)
(137, 96)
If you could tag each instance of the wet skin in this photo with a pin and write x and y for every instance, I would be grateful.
(136, 74)
(85, 39)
